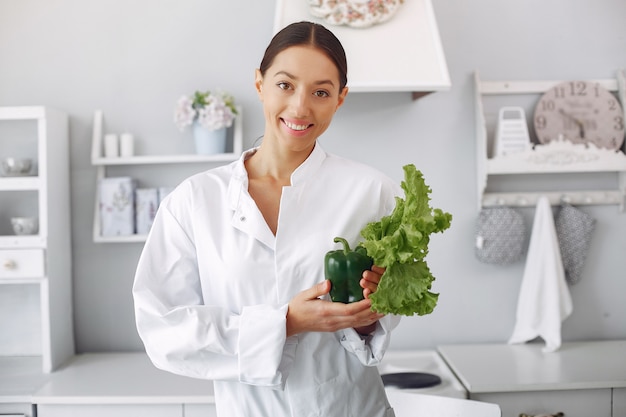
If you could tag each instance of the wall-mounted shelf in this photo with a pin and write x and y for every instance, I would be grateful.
(556, 157)
(101, 163)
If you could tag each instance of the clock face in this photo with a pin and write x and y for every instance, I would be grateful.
(581, 112)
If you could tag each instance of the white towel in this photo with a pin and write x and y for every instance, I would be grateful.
(544, 299)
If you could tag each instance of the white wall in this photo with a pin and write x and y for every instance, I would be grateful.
(133, 59)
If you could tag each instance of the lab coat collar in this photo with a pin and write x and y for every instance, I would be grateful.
(239, 181)
(243, 207)
(308, 168)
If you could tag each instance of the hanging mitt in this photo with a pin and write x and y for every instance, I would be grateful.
(573, 229)
(500, 236)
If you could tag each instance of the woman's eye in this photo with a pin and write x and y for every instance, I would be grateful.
(283, 85)
(321, 93)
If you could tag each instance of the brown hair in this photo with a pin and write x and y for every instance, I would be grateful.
(308, 33)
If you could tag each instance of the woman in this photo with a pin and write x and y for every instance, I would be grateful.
(230, 285)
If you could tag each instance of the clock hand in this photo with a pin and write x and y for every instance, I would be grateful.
(581, 126)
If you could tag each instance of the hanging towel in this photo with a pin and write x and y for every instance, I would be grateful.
(544, 299)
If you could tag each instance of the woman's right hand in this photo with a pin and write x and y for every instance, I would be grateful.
(308, 313)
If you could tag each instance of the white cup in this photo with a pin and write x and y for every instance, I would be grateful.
(24, 225)
(111, 146)
(127, 145)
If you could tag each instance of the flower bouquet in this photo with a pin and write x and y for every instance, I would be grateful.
(210, 114)
(212, 111)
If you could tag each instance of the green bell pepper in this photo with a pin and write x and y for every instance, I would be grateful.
(344, 269)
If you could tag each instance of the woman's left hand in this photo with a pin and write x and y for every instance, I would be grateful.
(369, 282)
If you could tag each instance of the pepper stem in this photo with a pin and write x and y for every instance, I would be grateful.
(346, 245)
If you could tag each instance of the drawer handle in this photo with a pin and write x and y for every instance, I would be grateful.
(9, 264)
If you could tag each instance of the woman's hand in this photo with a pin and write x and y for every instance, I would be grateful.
(308, 313)
(369, 282)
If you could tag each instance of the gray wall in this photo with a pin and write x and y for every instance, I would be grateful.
(133, 59)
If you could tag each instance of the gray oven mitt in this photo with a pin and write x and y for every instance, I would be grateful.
(573, 229)
(500, 235)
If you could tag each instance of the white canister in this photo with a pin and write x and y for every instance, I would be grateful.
(111, 146)
(127, 145)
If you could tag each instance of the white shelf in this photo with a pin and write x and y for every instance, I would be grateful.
(25, 241)
(556, 157)
(165, 159)
(101, 163)
(45, 306)
(19, 183)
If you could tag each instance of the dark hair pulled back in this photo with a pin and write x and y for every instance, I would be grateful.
(308, 33)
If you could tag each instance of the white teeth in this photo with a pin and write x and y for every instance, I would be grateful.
(295, 127)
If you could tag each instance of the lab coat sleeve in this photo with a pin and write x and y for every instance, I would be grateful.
(183, 336)
(370, 349)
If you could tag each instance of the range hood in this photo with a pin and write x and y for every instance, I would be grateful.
(403, 53)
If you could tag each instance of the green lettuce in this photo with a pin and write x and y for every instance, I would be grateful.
(399, 243)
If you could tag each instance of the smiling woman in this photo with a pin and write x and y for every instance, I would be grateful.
(230, 284)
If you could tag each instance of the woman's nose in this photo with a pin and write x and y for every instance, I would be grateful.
(301, 103)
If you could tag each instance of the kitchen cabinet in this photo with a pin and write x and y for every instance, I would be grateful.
(413, 62)
(102, 164)
(554, 162)
(35, 270)
(20, 377)
(121, 385)
(619, 402)
(580, 379)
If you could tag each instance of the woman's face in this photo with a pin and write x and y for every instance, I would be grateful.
(300, 94)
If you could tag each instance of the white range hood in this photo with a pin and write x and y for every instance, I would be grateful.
(401, 54)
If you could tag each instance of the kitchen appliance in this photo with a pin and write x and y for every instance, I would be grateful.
(423, 368)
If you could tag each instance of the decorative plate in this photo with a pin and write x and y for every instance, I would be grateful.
(354, 13)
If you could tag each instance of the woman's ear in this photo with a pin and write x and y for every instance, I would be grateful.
(258, 83)
(342, 97)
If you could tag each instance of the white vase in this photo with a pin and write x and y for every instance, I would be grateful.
(209, 142)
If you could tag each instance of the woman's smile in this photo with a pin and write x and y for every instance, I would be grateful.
(296, 127)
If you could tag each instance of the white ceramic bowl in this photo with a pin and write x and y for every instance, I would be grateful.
(24, 225)
(14, 167)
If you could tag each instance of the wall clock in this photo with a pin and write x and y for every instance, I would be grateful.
(581, 112)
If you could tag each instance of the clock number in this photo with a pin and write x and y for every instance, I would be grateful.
(619, 123)
(578, 88)
(559, 92)
(548, 105)
(596, 89)
(540, 122)
(612, 104)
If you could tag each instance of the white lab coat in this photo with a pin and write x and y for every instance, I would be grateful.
(213, 283)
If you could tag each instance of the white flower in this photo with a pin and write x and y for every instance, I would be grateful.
(212, 111)
(184, 113)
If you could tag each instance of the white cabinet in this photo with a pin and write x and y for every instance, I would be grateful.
(122, 385)
(414, 62)
(572, 403)
(572, 164)
(580, 379)
(35, 270)
(619, 402)
(148, 163)
(110, 410)
(199, 410)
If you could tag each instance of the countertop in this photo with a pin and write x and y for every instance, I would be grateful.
(130, 378)
(489, 368)
(120, 378)
(20, 377)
